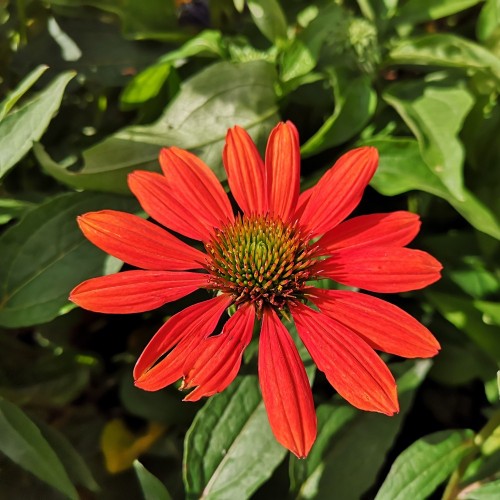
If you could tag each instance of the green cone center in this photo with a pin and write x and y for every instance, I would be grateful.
(260, 259)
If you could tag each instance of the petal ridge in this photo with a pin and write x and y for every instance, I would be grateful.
(350, 365)
(138, 242)
(285, 387)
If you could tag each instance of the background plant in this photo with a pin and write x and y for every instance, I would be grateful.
(91, 91)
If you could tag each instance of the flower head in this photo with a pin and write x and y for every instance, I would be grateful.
(262, 262)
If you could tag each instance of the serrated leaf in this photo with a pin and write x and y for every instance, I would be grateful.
(151, 486)
(401, 169)
(339, 470)
(214, 100)
(21, 128)
(45, 255)
(435, 112)
(230, 449)
(23, 443)
(425, 464)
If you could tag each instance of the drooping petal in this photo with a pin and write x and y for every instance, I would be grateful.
(135, 291)
(392, 229)
(340, 190)
(215, 361)
(382, 325)
(245, 172)
(194, 322)
(382, 269)
(285, 388)
(155, 196)
(349, 363)
(138, 242)
(283, 170)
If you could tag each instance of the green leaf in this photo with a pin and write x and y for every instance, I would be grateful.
(20, 128)
(460, 312)
(230, 449)
(401, 169)
(75, 465)
(155, 19)
(446, 51)
(160, 406)
(487, 491)
(424, 465)
(23, 443)
(489, 20)
(338, 470)
(13, 209)
(152, 487)
(490, 310)
(45, 255)
(435, 112)
(417, 11)
(10, 101)
(355, 103)
(148, 83)
(214, 100)
(269, 18)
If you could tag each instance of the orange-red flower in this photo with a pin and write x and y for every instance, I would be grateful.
(261, 261)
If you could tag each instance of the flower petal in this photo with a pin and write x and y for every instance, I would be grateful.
(350, 365)
(215, 361)
(155, 196)
(285, 388)
(245, 172)
(380, 324)
(283, 170)
(340, 190)
(139, 242)
(392, 229)
(188, 198)
(382, 269)
(194, 322)
(135, 291)
(196, 187)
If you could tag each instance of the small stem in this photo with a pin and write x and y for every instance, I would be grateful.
(452, 488)
(21, 14)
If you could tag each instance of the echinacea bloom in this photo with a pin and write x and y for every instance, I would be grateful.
(261, 262)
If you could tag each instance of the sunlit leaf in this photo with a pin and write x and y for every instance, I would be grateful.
(214, 100)
(435, 112)
(401, 169)
(335, 467)
(269, 18)
(417, 11)
(25, 125)
(230, 449)
(425, 464)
